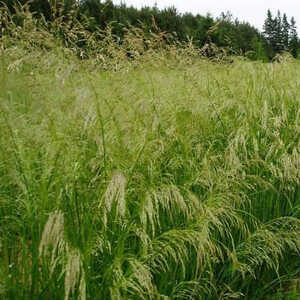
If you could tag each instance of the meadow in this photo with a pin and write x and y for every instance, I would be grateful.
(162, 176)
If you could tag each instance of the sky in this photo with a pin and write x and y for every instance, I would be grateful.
(252, 11)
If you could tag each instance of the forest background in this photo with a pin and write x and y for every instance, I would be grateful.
(238, 37)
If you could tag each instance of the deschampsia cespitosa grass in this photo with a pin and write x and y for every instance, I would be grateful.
(158, 176)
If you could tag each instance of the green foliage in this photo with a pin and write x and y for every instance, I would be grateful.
(229, 33)
(259, 52)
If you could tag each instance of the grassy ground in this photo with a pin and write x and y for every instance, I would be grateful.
(169, 179)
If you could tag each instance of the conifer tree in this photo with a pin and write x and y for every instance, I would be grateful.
(285, 32)
(294, 41)
(278, 36)
(270, 33)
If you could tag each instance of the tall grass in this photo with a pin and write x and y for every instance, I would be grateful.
(163, 177)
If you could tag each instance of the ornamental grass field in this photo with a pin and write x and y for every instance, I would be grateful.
(165, 176)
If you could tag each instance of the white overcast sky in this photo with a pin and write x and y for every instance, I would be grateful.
(253, 11)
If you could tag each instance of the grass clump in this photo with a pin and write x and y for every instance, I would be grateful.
(171, 177)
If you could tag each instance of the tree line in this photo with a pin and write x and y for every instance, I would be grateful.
(238, 37)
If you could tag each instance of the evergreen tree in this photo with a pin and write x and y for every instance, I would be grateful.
(278, 33)
(270, 33)
(285, 32)
(294, 41)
